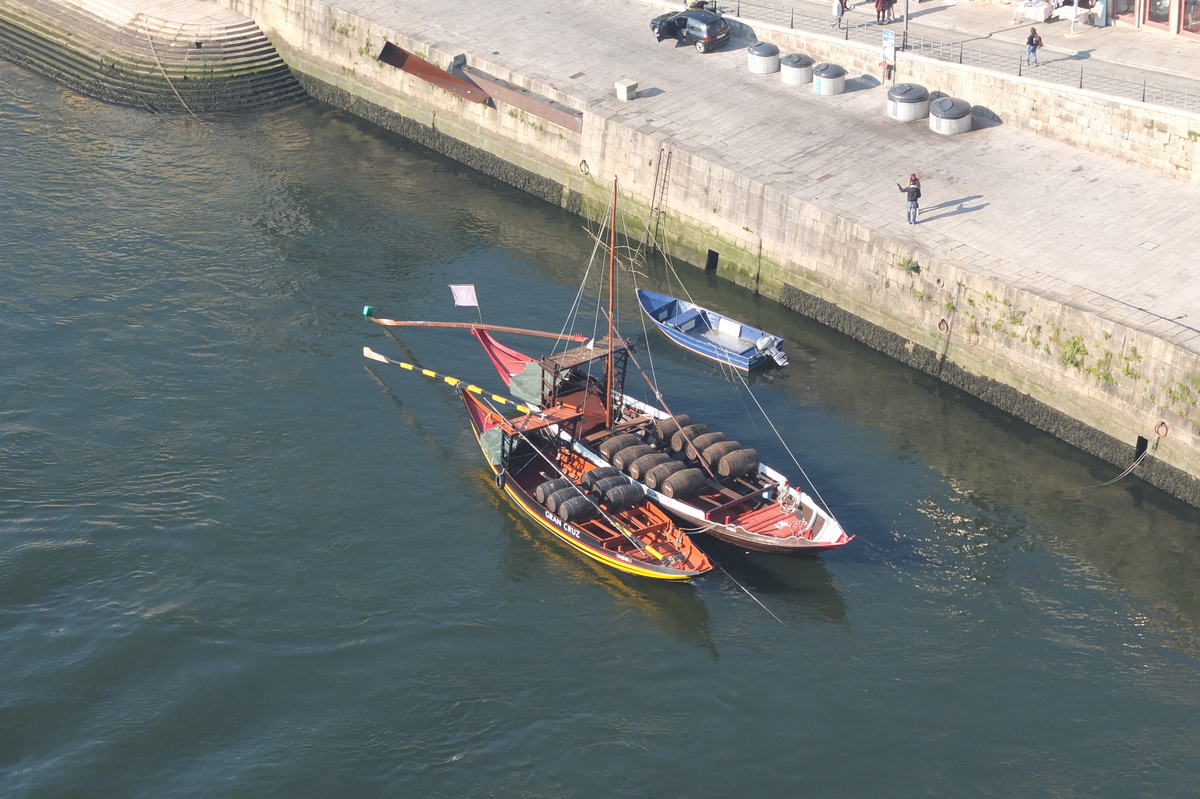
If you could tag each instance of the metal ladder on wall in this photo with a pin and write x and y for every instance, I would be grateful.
(658, 197)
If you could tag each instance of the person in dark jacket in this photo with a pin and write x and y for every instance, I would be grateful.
(913, 190)
(1031, 46)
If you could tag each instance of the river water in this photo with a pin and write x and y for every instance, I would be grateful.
(234, 562)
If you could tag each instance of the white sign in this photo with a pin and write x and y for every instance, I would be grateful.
(889, 47)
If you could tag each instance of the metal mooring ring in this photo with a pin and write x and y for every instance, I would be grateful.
(944, 326)
(583, 167)
(1161, 429)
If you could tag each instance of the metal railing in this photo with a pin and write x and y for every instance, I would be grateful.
(997, 57)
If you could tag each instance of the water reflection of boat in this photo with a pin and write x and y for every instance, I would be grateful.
(710, 334)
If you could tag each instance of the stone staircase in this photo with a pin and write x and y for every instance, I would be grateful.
(211, 59)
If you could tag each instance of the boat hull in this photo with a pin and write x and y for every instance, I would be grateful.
(710, 334)
(668, 559)
(779, 518)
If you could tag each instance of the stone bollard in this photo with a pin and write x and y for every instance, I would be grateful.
(626, 89)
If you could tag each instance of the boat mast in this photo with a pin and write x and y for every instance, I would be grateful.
(612, 255)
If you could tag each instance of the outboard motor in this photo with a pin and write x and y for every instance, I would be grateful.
(769, 345)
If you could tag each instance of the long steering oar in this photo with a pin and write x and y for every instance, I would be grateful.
(369, 313)
(453, 381)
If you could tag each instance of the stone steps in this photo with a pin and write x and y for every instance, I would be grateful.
(106, 51)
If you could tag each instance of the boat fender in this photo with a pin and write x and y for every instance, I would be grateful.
(625, 458)
(661, 472)
(543, 492)
(712, 454)
(500, 476)
(590, 478)
(611, 446)
(703, 442)
(667, 427)
(621, 497)
(560, 496)
(683, 484)
(738, 463)
(576, 509)
(601, 487)
(638, 469)
(681, 437)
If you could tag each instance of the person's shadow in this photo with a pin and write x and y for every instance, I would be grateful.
(951, 208)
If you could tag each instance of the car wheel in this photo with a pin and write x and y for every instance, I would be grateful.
(657, 33)
(701, 47)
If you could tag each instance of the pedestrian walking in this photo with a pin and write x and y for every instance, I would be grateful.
(890, 14)
(880, 11)
(1031, 46)
(913, 193)
(838, 9)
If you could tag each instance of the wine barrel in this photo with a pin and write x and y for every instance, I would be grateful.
(576, 509)
(611, 446)
(601, 487)
(681, 437)
(599, 473)
(682, 484)
(667, 427)
(543, 492)
(621, 497)
(737, 463)
(638, 469)
(625, 458)
(560, 496)
(711, 455)
(661, 472)
(702, 442)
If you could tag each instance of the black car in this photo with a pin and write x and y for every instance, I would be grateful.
(704, 29)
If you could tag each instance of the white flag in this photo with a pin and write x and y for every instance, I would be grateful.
(464, 295)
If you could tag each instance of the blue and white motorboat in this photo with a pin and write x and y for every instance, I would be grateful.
(711, 334)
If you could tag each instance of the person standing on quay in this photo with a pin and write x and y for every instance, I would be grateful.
(880, 11)
(1031, 47)
(839, 8)
(913, 190)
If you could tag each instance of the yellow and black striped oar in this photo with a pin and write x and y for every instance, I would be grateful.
(454, 381)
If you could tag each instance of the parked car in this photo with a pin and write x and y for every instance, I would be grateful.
(704, 29)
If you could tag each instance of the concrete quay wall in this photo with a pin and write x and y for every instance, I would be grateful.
(1055, 359)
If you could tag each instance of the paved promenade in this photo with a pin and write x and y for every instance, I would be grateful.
(1003, 202)
(1117, 58)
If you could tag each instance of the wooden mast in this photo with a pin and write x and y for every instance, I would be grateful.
(612, 254)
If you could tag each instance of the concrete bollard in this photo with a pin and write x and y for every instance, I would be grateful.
(627, 89)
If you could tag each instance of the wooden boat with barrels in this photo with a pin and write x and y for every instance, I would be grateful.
(710, 334)
(596, 510)
(696, 473)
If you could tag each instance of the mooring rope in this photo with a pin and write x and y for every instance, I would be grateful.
(162, 69)
(752, 596)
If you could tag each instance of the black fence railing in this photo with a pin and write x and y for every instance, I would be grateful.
(999, 58)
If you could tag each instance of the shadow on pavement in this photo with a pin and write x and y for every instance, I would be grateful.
(952, 208)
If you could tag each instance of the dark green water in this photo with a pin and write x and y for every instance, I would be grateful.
(233, 563)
